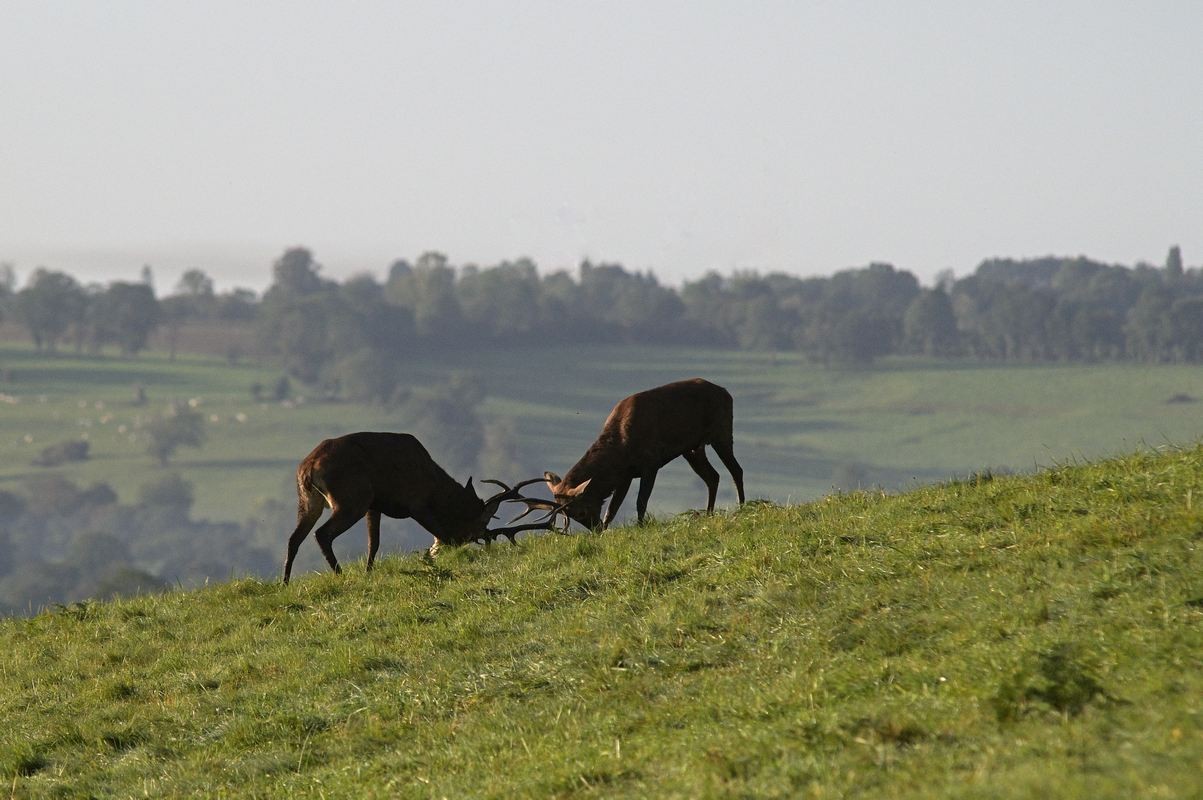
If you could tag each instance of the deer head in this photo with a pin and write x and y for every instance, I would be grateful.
(577, 503)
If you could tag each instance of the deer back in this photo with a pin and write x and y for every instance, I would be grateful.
(651, 428)
(393, 471)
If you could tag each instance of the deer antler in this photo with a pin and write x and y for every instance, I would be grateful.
(534, 504)
(510, 494)
(510, 531)
(507, 493)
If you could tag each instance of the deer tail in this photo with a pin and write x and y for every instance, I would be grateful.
(309, 488)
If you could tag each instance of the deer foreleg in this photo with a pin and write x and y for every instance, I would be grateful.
(647, 482)
(620, 494)
(373, 520)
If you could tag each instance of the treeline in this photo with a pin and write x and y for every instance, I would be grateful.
(62, 542)
(346, 335)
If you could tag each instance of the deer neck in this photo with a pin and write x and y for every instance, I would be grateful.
(444, 511)
(602, 464)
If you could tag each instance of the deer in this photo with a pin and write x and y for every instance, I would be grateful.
(369, 474)
(643, 433)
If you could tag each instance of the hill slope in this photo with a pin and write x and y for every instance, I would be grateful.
(1008, 637)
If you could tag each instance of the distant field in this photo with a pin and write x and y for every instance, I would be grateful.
(800, 428)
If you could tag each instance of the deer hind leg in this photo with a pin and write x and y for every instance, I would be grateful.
(709, 475)
(310, 506)
(727, 455)
(373, 520)
(343, 517)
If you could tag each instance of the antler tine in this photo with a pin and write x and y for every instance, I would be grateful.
(507, 493)
(509, 531)
(534, 504)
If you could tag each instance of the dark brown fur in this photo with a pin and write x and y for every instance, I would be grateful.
(369, 474)
(643, 433)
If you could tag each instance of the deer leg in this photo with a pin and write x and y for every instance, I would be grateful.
(309, 511)
(727, 456)
(373, 520)
(709, 475)
(620, 494)
(339, 521)
(646, 482)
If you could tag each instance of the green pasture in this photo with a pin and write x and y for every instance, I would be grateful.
(800, 428)
(998, 637)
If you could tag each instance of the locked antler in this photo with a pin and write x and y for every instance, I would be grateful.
(511, 495)
(507, 494)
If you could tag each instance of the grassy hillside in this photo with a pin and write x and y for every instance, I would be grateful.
(1009, 637)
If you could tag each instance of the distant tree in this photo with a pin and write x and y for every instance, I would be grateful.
(447, 422)
(49, 305)
(8, 284)
(1147, 329)
(174, 312)
(374, 322)
(195, 283)
(170, 491)
(97, 551)
(860, 336)
(304, 319)
(237, 305)
(177, 427)
(929, 325)
(1173, 263)
(632, 306)
(58, 454)
(368, 376)
(295, 273)
(49, 494)
(127, 314)
(1186, 328)
(428, 291)
(8, 278)
(1097, 332)
(500, 303)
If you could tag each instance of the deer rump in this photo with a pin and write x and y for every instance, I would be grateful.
(382, 463)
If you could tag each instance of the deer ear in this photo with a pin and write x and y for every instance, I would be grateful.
(577, 491)
(468, 485)
(553, 480)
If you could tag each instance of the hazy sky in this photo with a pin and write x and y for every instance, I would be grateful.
(679, 137)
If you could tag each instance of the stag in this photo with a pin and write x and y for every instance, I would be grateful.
(642, 434)
(370, 474)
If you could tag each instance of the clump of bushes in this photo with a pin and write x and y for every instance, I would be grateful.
(61, 453)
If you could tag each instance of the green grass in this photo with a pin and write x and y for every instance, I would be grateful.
(905, 423)
(1010, 637)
